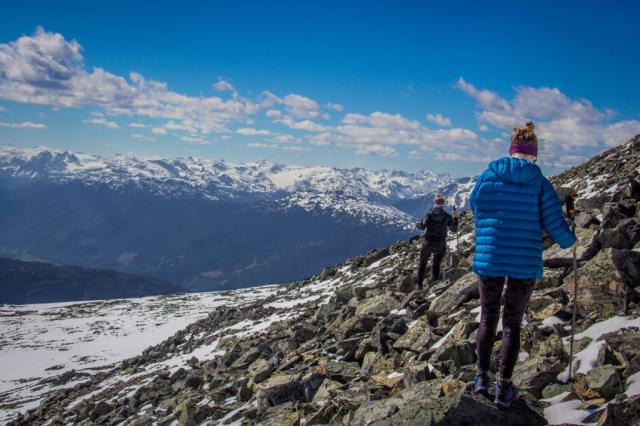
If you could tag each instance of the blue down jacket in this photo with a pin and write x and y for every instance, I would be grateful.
(512, 203)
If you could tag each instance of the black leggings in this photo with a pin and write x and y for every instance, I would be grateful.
(425, 254)
(516, 299)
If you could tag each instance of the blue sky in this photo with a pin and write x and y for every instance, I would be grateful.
(403, 85)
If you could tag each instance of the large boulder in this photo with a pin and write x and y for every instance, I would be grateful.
(355, 325)
(379, 305)
(623, 236)
(415, 332)
(456, 408)
(605, 381)
(542, 367)
(287, 388)
(600, 283)
(463, 290)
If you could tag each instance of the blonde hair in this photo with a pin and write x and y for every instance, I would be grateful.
(524, 134)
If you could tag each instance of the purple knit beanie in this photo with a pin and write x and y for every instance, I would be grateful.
(524, 140)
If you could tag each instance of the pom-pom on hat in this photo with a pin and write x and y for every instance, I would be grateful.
(439, 199)
(524, 140)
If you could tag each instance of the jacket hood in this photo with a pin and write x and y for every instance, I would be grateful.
(438, 214)
(511, 169)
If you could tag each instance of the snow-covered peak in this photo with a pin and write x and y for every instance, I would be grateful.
(356, 191)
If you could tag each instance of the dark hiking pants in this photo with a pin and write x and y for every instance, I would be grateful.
(516, 299)
(425, 254)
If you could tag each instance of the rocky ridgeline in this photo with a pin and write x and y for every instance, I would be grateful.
(358, 345)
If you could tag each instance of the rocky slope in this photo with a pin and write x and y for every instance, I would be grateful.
(39, 282)
(358, 345)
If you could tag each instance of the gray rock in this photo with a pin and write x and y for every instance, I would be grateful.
(461, 408)
(404, 284)
(380, 305)
(605, 381)
(355, 325)
(415, 373)
(463, 290)
(260, 370)
(410, 338)
(542, 367)
(600, 283)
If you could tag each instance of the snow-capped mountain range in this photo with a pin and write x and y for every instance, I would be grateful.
(369, 195)
(201, 223)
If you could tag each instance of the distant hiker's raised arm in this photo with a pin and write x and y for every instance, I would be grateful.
(551, 216)
(453, 224)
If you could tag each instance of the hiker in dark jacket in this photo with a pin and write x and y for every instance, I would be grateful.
(435, 225)
(512, 204)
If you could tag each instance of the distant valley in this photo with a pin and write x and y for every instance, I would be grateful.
(204, 224)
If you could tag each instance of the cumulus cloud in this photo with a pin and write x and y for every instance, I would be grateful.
(138, 125)
(306, 125)
(485, 98)
(102, 122)
(247, 131)
(45, 68)
(574, 127)
(301, 106)
(23, 125)
(439, 119)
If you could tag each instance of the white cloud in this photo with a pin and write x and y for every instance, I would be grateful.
(483, 128)
(301, 106)
(138, 125)
(574, 127)
(306, 125)
(224, 86)
(159, 131)
(282, 138)
(485, 98)
(102, 122)
(46, 69)
(439, 119)
(23, 125)
(621, 131)
(335, 107)
(376, 149)
(274, 113)
(142, 137)
(247, 131)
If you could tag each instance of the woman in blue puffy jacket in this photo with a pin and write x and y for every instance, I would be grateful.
(512, 204)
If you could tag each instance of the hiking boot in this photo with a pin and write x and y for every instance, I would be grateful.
(481, 384)
(505, 395)
(416, 284)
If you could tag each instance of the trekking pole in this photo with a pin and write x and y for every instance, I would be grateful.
(457, 233)
(575, 302)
